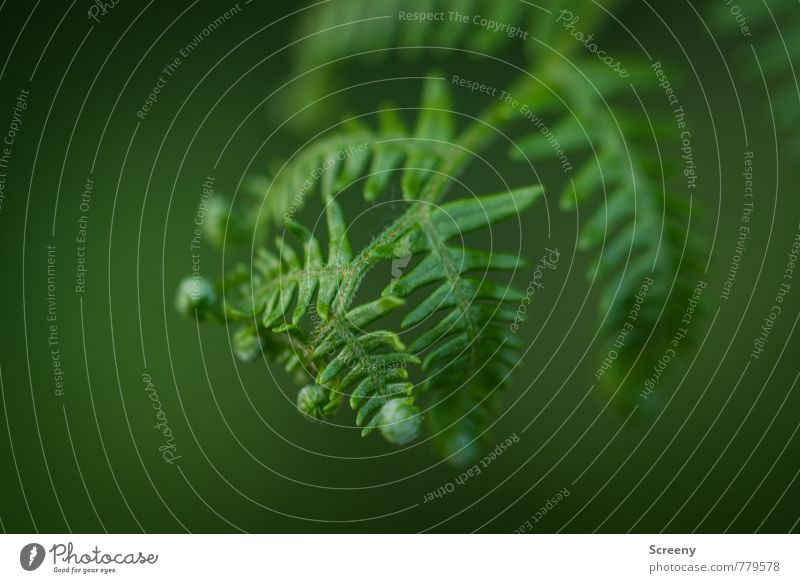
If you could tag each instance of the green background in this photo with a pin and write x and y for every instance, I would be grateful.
(88, 460)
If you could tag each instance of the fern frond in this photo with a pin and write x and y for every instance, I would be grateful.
(298, 306)
(641, 233)
(773, 38)
(339, 356)
(459, 329)
(344, 355)
(468, 352)
(335, 352)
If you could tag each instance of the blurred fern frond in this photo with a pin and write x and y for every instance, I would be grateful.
(770, 40)
(335, 33)
(648, 254)
(337, 160)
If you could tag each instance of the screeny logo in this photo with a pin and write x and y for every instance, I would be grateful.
(31, 556)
